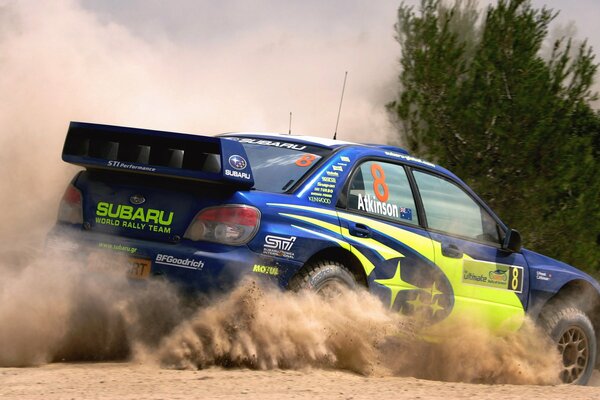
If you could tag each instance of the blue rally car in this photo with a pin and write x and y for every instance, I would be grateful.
(315, 213)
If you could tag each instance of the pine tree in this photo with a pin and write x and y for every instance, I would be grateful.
(476, 96)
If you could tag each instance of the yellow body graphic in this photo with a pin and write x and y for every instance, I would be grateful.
(493, 300)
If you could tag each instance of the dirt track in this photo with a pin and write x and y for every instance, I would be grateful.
(308, 336)
(137, 381)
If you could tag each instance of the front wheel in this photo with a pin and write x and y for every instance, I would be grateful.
(327, 278)
(572, 331)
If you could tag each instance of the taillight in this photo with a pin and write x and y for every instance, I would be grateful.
(70, 209)
(230, 224)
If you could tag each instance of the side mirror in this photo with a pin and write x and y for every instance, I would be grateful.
(512, 241)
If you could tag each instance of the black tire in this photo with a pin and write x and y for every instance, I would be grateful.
(572, 331)
(324, 277)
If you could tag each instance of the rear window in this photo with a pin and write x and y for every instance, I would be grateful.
(277, 166)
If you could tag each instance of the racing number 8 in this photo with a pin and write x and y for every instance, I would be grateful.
(516, 279)
(306, 160)
(382, 192)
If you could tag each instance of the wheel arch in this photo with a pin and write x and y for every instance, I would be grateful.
(581, 294)
(344, 257)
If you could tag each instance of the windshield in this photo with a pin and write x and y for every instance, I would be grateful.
(276, 165)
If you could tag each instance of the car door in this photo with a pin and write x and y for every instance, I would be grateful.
(490, 284)
(381, 222)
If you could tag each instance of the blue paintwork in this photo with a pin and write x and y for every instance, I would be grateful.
(80, 134)
(169, 189)
(548, 276)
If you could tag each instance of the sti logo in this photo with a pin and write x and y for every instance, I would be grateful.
(279, 243)
(237, 162)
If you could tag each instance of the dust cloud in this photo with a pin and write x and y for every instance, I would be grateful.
(254, 327)
(58, 63)
(59, 308)
(70, 312)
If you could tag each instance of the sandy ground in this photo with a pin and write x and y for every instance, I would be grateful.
(53, 311)
(138, 381)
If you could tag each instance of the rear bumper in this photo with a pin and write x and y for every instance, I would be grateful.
(199, 267)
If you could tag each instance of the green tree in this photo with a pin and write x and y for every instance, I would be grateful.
(476, 96)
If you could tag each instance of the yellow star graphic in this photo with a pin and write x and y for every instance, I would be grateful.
(434, 291)
(395, 284)
(416, 303)
(435, 307)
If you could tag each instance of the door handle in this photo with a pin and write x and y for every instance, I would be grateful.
(451, 250)
(360, 230)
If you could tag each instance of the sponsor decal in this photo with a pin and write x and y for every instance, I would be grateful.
(279, 246)
(139, 218)
(324, 189)
(119, 164)
(409, 158)
(543, 276)
(265, 269)
(325, 185)
(488, 274)
(237, 174)
(189, 263)
(117, 247)
(279, 242)
(345, 159)
(322, 193)
(237, 162)
(498, 275)
(316, 199)
(272, 143)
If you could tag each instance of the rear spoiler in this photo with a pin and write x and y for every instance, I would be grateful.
(202, 158)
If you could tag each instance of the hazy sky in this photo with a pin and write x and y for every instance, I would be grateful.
(296, 51)
(213, 66)
(583, 14)
(191, 21)
(263, 59)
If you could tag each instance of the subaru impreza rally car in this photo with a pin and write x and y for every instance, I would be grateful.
(304, 212)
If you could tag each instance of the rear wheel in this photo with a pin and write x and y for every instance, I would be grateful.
(574, 335)
(325, 277)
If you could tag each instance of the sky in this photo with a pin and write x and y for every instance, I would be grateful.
(233, 65)
(583, 15)
(295, 53)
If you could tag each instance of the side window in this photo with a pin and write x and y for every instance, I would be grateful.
(382, 190)
(449, 209)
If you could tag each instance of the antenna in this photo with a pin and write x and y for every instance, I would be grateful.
(340, 109)
(290, 131)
